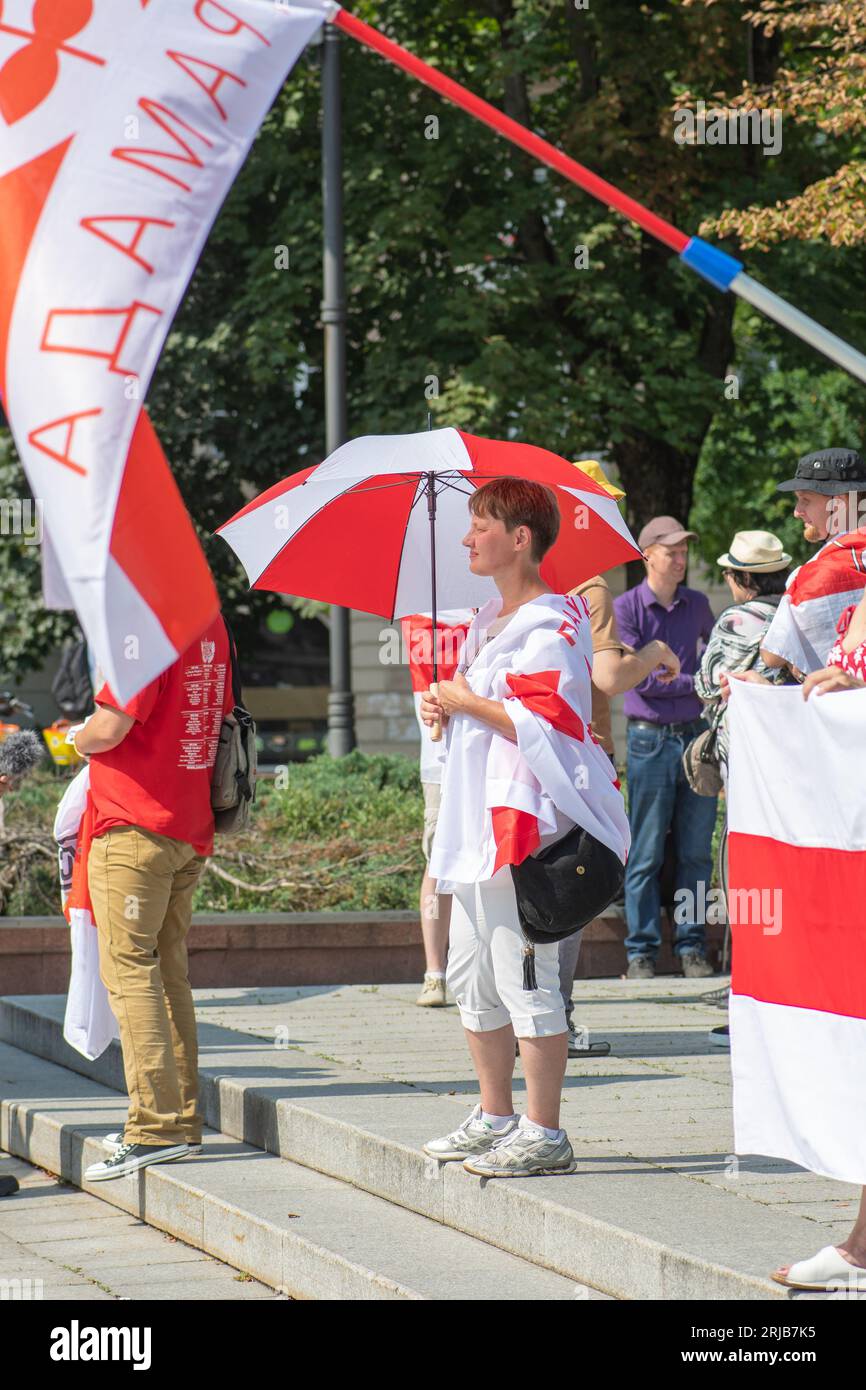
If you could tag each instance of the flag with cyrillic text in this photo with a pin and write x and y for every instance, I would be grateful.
(122, 126)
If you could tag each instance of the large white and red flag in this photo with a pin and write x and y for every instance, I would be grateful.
(122, 126)
(797, 903)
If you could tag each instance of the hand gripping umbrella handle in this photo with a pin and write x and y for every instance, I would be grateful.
(436, 726)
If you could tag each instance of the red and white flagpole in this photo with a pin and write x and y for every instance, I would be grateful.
(721, 270)
(518, 134)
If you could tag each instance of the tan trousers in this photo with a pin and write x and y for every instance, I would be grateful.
(141, 885)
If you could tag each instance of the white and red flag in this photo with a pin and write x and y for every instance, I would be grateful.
(88, 1023)
(797, 903)
(804, 628)
(122, 126)
(421, 646)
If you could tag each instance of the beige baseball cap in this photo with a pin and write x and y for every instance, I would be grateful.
(664, 530)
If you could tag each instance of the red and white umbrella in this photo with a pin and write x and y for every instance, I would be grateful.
(378, 525)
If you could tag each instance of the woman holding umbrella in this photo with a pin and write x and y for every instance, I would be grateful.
(530, 804)
(522, 770)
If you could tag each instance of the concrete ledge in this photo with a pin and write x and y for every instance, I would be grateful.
(292, 948)
(298, 1231)
(686, 1240)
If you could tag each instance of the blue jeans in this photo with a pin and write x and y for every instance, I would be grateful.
(659, 797)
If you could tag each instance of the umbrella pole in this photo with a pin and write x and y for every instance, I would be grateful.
(436, 729)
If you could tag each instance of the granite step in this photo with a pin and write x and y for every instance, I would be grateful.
(619, 1224)
(293, 1228)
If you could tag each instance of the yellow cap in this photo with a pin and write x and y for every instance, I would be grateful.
(594, 470)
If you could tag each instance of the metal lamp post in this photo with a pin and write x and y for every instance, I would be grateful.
(341, 701)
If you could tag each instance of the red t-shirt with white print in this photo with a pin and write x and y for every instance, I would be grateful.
(159, 777)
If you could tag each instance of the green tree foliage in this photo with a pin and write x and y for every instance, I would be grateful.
(755, 442)
(822, 85)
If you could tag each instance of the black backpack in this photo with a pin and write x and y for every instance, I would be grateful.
(71, 687)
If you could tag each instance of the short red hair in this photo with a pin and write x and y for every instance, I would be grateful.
(519, 502)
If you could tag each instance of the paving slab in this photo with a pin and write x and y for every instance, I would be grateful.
(296, 1230)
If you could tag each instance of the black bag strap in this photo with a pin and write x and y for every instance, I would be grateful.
(237, 688)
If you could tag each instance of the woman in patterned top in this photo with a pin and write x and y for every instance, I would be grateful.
(846, 660)
(755, 569)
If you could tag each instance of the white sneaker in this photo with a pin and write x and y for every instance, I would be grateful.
(524, 1153)
(475, 1136)
(130, 1157)
(580, 1046)
(432, 994)
(112, 1142)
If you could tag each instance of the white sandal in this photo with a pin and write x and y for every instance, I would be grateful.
(826, 1270)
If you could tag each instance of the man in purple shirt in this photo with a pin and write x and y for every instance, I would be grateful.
(664, 714)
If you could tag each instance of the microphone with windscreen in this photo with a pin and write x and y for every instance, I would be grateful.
(19, 754)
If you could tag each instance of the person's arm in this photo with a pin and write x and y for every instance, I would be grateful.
(750, 677)
(828, 679)
(664, 688)
(617, 667)
(720, 655)
(615, 670)
(772, 660)
(4, 785)
(104, 730)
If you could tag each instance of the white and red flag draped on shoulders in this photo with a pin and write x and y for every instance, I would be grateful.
(804, 627)
(122, 126)
(797, 902)
(553, 773)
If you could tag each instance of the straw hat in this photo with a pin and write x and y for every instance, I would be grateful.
(759, 551)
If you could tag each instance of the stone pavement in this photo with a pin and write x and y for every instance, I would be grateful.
(57, 1242)
(663, 1096)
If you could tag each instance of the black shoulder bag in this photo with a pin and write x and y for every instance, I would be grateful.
(563, 888)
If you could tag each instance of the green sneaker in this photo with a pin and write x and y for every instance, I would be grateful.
(524, 1153)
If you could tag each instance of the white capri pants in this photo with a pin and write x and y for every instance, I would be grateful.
(485, 964)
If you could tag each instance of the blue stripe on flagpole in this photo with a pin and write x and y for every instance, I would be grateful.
(714, 265)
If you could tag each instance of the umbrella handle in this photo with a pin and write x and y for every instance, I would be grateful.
(436, 726)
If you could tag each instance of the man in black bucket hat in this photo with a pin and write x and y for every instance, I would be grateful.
(829, 486)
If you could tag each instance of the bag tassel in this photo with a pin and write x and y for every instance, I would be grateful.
(529, 979)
